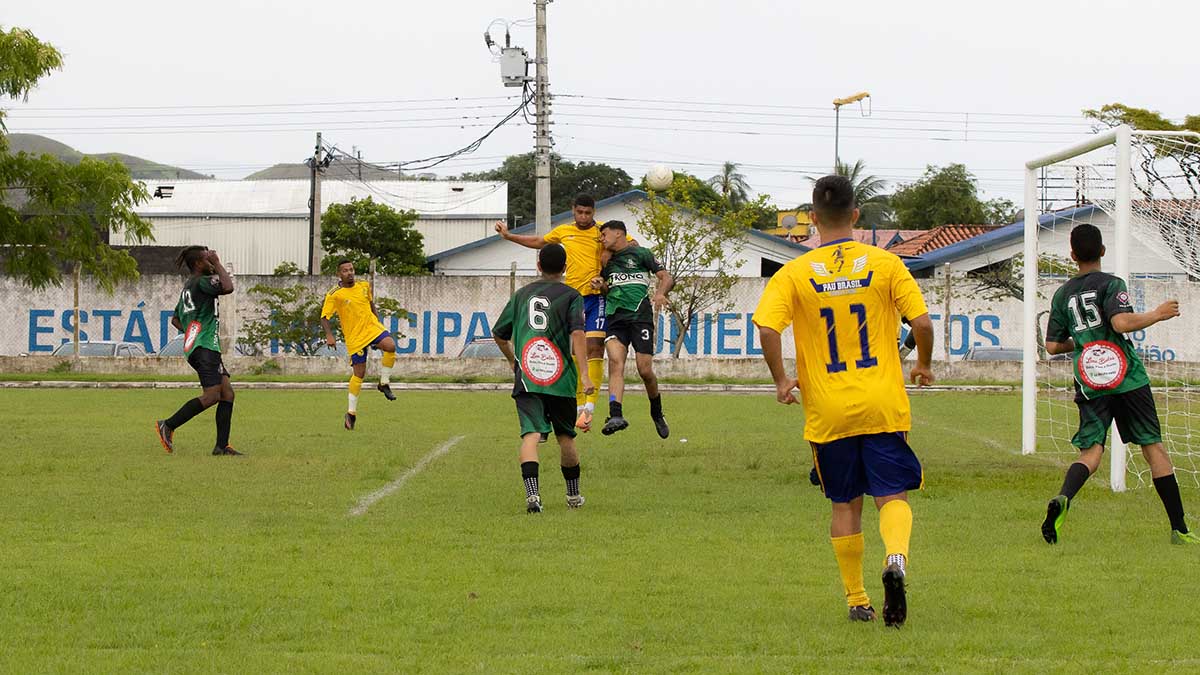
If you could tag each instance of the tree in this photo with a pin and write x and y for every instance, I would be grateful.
(1116, 114)
(873, 204)
(699, 245)
(53, 214)
(940, 197)
(1006, 279)
(731, 185)
(364, 230)
(567, 180)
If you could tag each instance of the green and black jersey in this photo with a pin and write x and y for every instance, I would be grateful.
(197, 313)
(1105, 360)
(628, 274)
(539, 320)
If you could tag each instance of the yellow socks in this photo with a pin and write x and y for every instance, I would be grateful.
(895, 526)
(355, 388)
(596, 372)
(849, 552)
(385, 367)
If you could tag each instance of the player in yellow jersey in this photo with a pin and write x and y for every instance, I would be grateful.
(844, 301)
(354, 304)
(581, 239)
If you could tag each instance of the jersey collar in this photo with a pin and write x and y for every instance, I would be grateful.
(835, 241)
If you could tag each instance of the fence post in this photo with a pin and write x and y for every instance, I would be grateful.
(946, 313)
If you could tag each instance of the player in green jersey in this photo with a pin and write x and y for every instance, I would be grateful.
(539, 330)
(197, 316)
(630, 311)
(1089, 317)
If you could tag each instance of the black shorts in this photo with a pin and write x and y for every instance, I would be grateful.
(208, 366)
(1134, 412)
(544, 414)
(630, 330)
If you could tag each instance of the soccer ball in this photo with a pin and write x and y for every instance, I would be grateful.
(659, 178)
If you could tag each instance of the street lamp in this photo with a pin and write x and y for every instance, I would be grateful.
(837, 110)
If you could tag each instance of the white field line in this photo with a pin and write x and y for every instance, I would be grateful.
(366, 502)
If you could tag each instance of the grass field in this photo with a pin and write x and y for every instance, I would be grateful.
(705, 556)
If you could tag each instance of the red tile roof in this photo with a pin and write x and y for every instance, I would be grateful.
(942, 235)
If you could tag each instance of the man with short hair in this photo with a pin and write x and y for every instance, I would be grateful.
(1089, 317)
(630, 312)
(354, 304)
(198, 318)
(581, 240)
(539, 327)
(844, 301)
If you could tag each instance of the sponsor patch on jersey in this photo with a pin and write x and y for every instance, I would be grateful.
(842, 286)
(541, 361)
(1102, 365)
(190, 335)
(1123, 298)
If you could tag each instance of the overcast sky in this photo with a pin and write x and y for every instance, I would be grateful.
(244, 85)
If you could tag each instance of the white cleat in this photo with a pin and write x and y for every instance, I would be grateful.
(574, 501)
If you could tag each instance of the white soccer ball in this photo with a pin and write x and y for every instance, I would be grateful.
(659, 178)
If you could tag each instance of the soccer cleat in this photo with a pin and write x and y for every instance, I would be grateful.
(814, 477)
(165, 435)
(584, 421)
(862, 613)
(1184, 538)
(351, 418)
(533, 504)
(614, 424)
(895, 603)
(386, 389)
(543, 437)
(1056, 515)
(660, 425)
(227, 450)
(575, 501)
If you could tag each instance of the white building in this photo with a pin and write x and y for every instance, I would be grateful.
(256, 225)
(760, 256)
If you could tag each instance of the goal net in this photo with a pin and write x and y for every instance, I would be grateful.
(1142, 190)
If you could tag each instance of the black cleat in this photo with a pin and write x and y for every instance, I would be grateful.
(533, 504)
(660, 425)
(895, 602)
(386, 390)
(227, 450)
(165, 435)
(862, 613)
(351, 418)
(543, 437)
(814, 478)
(614, 424)
(1056, 514)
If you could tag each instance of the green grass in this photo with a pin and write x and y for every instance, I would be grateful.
(705, 556)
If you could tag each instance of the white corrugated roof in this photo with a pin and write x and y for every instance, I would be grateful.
(461, 199)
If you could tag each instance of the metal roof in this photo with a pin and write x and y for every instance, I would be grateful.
(998, 237)
(266, 198)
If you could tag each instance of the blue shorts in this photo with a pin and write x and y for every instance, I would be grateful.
(593, 316)
(875, 464)
(361, 356)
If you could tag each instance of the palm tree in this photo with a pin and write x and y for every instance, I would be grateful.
(869, 193)
(732, 185)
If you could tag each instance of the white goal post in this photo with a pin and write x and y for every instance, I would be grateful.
(1119, 179)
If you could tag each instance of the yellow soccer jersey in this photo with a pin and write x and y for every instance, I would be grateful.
(353, 307)
(583, 254)
(844, 301)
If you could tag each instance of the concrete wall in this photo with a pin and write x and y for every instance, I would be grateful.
(448, 311)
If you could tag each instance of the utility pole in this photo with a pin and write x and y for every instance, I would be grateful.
(542, 138)
(314, 211)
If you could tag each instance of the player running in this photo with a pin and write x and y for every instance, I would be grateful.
(543, 322)
(630, 311)
(1088, 317)
(844, 301)
(354, 304)
(581, 240)
(197, 317)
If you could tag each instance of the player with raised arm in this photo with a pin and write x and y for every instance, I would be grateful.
(581, 240)
(630, 310)
(198, 318)
(844, 301)
(1089, 317)
(354, 304)
(539, 327)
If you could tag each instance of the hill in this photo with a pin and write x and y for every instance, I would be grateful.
(139, 168)
(339, 169)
